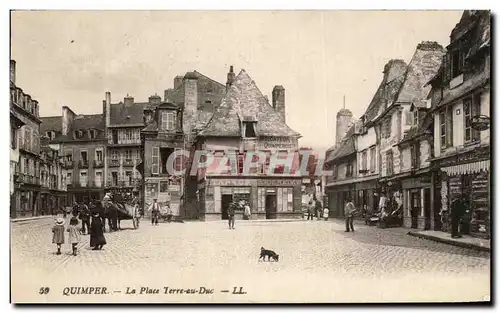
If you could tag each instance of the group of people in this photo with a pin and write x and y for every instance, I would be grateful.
(315, 209)
(241, 205)
(156, 212)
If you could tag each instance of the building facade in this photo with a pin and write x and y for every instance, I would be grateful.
(461, 111)
(53, 178)
(243, 124)
(82, 143)
(24, 151)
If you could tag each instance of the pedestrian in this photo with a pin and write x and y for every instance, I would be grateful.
(457, 212)
(168, 212)
(97, 239)
(85, 218)
(310, 215)
(75, 209)
(349, 211)
(137, 215)
(325, 213)
(74, 234)
(154, 208)
(58, 234)
(230, 214)
(382, 204)
(248, 211)
(318, 206)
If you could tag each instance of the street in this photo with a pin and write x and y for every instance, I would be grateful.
(318, 262)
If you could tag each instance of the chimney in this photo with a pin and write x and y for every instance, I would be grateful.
(154, 99)
(13, 71)
(178, 81)
(128, 100)
(190, 101)
(67, 119)
(168, 94)
(230, 77)
(107, 108)
(344, 120)
(278, 99)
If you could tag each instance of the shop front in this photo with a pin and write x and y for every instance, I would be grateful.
(367, 196)
(269, 198)
(417, 201)
(338, 196)
(165, 190)
(472, 180)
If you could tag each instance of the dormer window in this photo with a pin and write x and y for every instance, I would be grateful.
(50, 134)
(79, 134)
(167, 120)
(92, 133)
(249, 130)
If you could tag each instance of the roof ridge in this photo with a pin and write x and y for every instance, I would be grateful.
(209, 78)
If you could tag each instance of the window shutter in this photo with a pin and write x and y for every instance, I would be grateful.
(449, 126)
(155, 160)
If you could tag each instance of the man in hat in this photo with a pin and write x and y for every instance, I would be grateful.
(349, 211)
(154, 208)
(458, 208)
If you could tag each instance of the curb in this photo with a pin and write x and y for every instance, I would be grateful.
(450, 242)
(33, 218)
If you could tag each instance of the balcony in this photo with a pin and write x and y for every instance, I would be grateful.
(128, 162)
(22, 178)
(68, 164)
(124, 183)
(114, 162)
(98, 163)
(124, 143)
(83, 164)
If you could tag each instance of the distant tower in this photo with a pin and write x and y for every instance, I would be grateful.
(344, 120)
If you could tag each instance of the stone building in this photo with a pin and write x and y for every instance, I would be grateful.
(123, 123)
(53, 178)
(82, 143)
(461, 109)
(169, 127)
(24, 151)
(343, 123)
(245, 122)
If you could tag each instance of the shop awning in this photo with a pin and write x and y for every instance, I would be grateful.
(468, 168)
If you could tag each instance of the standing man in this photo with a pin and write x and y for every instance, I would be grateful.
(318, 206)
(85, 217)
(457, 211)
(310, 210)
(230, 213)
(154, 208)
(382, 204)
(349, 211)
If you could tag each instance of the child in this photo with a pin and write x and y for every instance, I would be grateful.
(58, 234)
(325, 213)
(74, 233)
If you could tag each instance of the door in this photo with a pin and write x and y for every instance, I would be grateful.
(415, 208)
(225, 202)
(271, 207)
(427, 208)
(437, 209)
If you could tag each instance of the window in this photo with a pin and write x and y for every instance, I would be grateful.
(13, 137)
(372, 159)
(364, 160)
(471, 108)
(78, 134)
(415, 117)
(50, 134)
(163, 187)
(92, 133)
(167, 120)
(261, 200)
(409, 117)
(69, 178)
(155, 160)
(389, 163)
(208, 102)
(83, 178)
(128, 178)
(284, 199)
(178, 161)
(349, 169)
(128, 155)
(83, 156)
(457, 62)
(114, 178)
(386, 128)
(241, 162)
(442, 128)
(98, 155)
(98, 179)
(334, 171)
(249, 130)
(415, 156)
(138, 154)
(69, 156)
(114, 155)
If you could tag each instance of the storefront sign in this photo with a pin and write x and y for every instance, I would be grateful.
(255, 182)
(276, 143)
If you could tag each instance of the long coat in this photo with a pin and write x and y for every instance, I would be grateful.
(74, 234)
(58, 234)
(96, 232)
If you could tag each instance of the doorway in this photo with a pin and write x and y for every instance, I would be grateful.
(427, 209)
(437, 209)
(415, 208)
(271, 207)
(225, 202)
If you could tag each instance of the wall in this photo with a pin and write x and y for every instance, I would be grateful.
(458, 124)
(437, 138)
(386, 144)
(425, 154)
(75, 148)
(406, 156)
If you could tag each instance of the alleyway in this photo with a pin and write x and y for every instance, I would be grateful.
(318, 263)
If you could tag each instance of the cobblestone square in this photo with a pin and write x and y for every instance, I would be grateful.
(318, 262)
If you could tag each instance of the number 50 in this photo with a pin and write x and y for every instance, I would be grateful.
(44, 290)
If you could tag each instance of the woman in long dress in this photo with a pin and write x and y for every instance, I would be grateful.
(97, 240)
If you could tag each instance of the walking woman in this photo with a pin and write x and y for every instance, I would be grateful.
(97, 240)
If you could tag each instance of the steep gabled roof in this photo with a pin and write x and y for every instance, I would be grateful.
(245, 99)
(345, 148)
(424, 65)
(51, 123)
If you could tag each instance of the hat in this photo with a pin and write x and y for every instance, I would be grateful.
(155, 198)
(95, 214)
(59, 221)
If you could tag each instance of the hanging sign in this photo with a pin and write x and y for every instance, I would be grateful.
(480, 122)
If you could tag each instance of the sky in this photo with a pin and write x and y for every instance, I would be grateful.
(73, 57)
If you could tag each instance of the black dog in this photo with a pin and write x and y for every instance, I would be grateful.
(269, 253)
